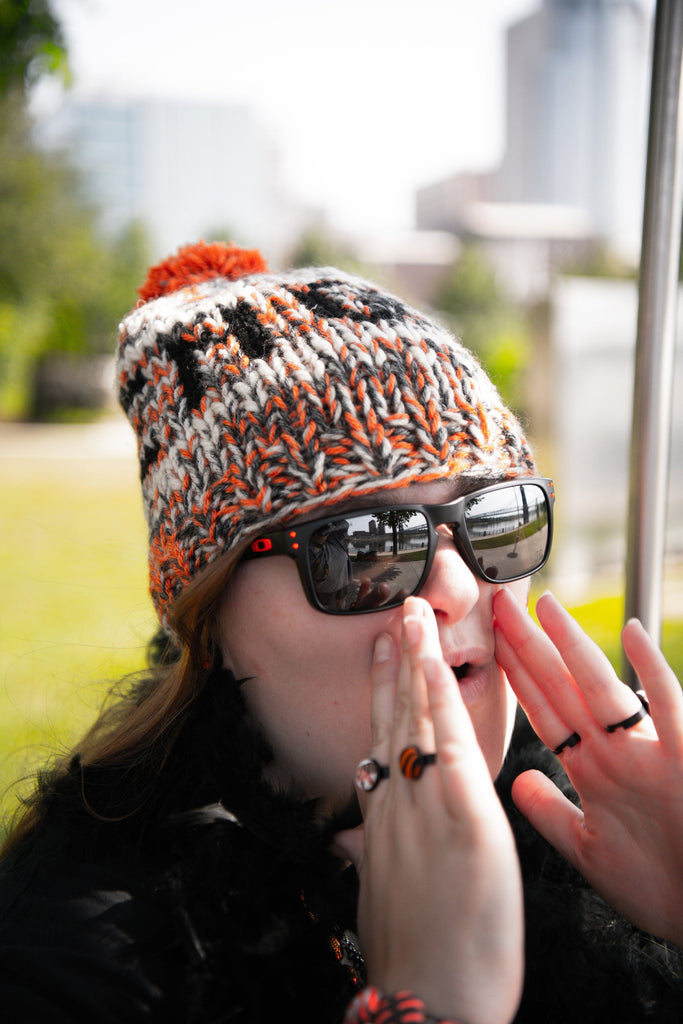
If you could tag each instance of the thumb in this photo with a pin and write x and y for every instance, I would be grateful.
(348, 844)
(549, 811)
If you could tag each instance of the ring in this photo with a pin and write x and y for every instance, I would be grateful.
(370, 773)
(412, 761)
(570, 741)
(628, 723)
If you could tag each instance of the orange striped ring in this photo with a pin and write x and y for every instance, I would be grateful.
(412, 762)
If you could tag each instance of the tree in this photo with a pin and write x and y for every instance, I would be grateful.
(63, 287)
(396, 520)
(31, 44)
(488, 321)
(317, 248)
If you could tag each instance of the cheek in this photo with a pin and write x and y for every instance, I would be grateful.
(309, 674)
(265, 621)
(260, 609)
(520, 591)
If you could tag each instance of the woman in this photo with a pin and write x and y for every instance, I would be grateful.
(293, 816)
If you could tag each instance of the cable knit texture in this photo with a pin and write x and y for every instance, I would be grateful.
(256, 397)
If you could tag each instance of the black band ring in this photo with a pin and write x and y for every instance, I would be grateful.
(370, 773)
(570, 741)
(632, 720)
(412, 762)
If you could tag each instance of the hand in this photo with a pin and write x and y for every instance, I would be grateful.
(440, 906)
(627, 838)
(374, 595)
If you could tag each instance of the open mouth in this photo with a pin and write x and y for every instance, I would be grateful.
(461, 670)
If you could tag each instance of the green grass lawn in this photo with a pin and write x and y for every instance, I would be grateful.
(75, 614)
(74, 610)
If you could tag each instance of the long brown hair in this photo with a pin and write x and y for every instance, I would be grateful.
(139, 725)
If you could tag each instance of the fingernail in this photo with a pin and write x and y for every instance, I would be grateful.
(382, 648)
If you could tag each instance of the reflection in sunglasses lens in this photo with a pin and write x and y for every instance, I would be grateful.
(508, 530)
(365, 561)
(368, 561)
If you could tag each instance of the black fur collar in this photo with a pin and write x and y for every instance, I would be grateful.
(260, 906)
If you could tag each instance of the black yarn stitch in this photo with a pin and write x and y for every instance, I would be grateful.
(242, 321)
(343, 303)
(182, 353)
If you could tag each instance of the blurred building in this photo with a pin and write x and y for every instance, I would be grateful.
(577, 88)
(183, 169)
(582, 402)
(573, 170)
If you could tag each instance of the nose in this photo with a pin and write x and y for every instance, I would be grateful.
(451, 588)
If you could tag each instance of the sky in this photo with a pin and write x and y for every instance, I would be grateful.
(367, 100)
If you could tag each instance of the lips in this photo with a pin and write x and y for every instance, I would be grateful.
(471, 668)
(466, 660)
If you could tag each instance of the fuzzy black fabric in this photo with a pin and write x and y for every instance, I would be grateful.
(239, 922)
(163, 914)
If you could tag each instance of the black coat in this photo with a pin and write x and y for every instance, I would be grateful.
(141, 909)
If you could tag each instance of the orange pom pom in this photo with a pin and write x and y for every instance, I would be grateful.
(195, 263)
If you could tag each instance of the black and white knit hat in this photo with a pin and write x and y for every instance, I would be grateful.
(257, 395)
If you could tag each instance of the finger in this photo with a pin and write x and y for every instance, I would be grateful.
(609, 699)
(413, 718)
(350, 844)
(555, 817)
(545, 721)
(661, 686)
(539, 657)
(370, 596)
(380, 594)
(426, 643)
(461, 764)
(385, 670)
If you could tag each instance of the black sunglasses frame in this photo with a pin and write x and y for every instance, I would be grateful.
(293, 540)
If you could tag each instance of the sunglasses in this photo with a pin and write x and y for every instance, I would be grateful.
(373, 559)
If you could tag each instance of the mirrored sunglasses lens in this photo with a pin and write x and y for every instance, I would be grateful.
(509, 531)
(364, 561)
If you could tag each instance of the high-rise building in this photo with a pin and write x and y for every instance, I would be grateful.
(184, 169)
(577, 88)
(577, 92)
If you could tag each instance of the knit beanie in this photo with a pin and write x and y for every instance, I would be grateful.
(255, 396)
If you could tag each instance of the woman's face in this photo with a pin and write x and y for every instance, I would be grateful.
(308, 674)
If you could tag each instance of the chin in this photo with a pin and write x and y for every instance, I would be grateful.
(493, 722)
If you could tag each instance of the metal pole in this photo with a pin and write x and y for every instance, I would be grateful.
(654, 364)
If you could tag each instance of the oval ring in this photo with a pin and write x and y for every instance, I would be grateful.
(412, 762)
(632, 720)
(370, 773)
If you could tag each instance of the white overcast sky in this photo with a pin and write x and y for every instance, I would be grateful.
(367, 99)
